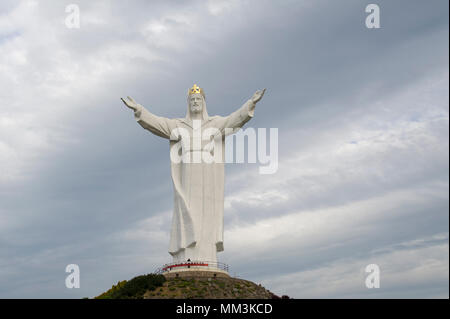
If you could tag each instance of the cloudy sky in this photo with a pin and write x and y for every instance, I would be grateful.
(363, 121)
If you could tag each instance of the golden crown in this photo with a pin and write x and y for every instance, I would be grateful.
(196, 89)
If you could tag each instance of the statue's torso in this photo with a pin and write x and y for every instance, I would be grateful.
(199, 136)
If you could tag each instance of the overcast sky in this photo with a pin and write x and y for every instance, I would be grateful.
(363, 121)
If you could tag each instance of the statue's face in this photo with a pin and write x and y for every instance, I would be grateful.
(196, 103)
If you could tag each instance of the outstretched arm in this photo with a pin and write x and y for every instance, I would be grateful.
(238, 118)
(160, 126)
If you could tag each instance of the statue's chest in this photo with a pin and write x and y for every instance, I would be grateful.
(198, 137)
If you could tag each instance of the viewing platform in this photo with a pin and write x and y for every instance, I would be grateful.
(194, 268)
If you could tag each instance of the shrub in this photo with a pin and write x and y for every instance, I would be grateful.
(134, 288)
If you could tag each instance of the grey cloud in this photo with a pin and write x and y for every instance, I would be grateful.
(103, 175)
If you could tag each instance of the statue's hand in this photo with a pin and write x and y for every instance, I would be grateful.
(132, 104)
(258, 96)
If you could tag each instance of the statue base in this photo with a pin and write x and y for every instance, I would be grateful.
(194, 273)
(195, 269)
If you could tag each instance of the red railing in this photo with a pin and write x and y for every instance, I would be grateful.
(195, 263)
(184, 265)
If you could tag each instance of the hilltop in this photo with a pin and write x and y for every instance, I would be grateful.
(154, 286)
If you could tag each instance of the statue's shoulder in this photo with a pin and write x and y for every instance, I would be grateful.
(216, 118)
(210, 118)
(179, 120)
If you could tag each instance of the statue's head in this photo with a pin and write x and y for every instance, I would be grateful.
(196, 101)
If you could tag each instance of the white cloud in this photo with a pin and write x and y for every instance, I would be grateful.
(221, 6)
(312, 229)
(378, 148)
(342, 181)
(344, 188)
(408, 273)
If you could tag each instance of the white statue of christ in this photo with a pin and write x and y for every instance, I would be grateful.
(197, 224)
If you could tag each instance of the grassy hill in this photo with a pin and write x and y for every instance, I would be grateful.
(134, 288)
(153, 286)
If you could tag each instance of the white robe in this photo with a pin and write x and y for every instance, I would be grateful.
(197, 224)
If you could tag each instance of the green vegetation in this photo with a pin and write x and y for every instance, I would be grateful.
(134, 288)
(156, 286)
